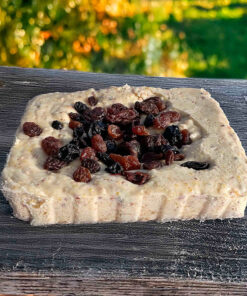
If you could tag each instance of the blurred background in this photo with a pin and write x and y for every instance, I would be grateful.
(203, 38)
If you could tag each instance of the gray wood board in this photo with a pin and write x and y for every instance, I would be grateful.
(213, 250)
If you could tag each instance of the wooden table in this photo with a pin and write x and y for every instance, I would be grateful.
(178, 258)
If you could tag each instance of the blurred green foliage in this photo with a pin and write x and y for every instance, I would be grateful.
(194, 38)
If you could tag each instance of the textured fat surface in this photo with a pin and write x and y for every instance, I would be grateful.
(174, 192)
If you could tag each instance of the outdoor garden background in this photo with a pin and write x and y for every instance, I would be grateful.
(206, 38)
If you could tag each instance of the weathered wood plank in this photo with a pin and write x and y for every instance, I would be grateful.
(213, 250)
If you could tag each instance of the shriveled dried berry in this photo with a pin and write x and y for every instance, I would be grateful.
(152, 143)
(82, 174)
(161, 105)
(98, 144)
(78, 131)
(115, 168)
(129, 148)
(165, 118)
(97, 127)
(147, 107)
(151, 156)
(118, 113)
(169, 157)
(138, 178)
(91, 164)
(53, 164)
(167, 147)
(57, 125)
(140, 130)
(149, 120)
(80, 107)
(51, 145)
(129, 137)
(173, 135)
(114, 132)
(88, 152)
(186, 140)
(69, 152)
(98, 113)
(155, 164)
(105, 158)
(75, 116)
(129, 162)
(111, 146)
(179, 156)
(73, 124)
(81, 136)
(196, 165)
(31, 129)
(92, 101)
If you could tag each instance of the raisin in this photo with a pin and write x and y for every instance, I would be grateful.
(92, 101)
(97, 127)
(57, 125)
(161, 105)
(169, 157)
(138, 178)
(82, 175)
(196, 165)
(149, 120)
(31, 129)
(98, 143)
(115, 168)
(75, 116)
(155, 164)
(173, 135)
(98, 113)
(147, 143)
(147, 107)
(111, 146)
(129, 162)
(51, 145)
(105, 158)
(68, 152)
(80, 107)
(73, 124)
(129, 137)
(185, 137)
(165, 118)
(88, 152)
(53, 164)
(131, 147)
(114, 132)
(78, 131)
(81, 136)
(167, 147)
(179, 156)
(91, 164)
(151, 156)
(140, 130)
(118, 113)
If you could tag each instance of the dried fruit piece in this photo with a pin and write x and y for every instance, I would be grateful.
(139, 178)
(51, 145)
(152, 143)
(88, 152)
(161, 105)
(75, 116)
(196, 165)
(111, 146)
(131, 147)
(149, 120)
(118, 113)
(114, 132)
(151, 156)
(69, 152)
(186, 140)
(140, 130)
(173, 135)
(105, 158)
(155, 164)
(129, 162)
(57, 125)
(82, 175)
(179, 156)
(73, 124)
(53, 164)
(98, 113)
(98, 143)
(97, 127)
(80, 107)
(165, 118)
(92, 101)
(31, 129)
(147, 107)
(90, 164)
(169, 157)
(115, 168)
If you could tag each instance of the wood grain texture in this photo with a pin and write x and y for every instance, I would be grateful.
(210, 251)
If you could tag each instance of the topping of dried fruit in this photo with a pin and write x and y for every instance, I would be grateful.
(75, 116)
(98, 113)
(98, 143)
(149, 120)
(69, 152)
(31, 129)
(131, 147)
(51, 146)
(91, 164)
(118, 113)
(151, 156)
(73, 124)
(82, 175)
(129, 162)
(53, 164)
(97, 127)
(147, 107)
(179, 156)
(169, 157)
(88, 152)
(152, 143)
(111, 146)
(165, 118)
(57, 124)
(155, 164)
(161, 105)
(115, 168)
(173, 135)
(140, 130)
(80, 107)
(196, 165)
(114, 132)
(92, 101)
(105, 158)
(139, 178)
(186, 140)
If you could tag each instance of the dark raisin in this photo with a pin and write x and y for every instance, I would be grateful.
(51, 145)
(68, 152)
(115, 168)
(98, 113)
(147, 144)
(73, 124)
(78, 131)
(169, 157)
(155, 164)
(88, 152)
(151, 156)
(75, 116)
(91, 164)
(92, 101)
(147, 107)
(186, 140)
(82, 175)
(31, 129)
(114, 131)
(97, 127)
(167, 147)
(98, 143)
(111, 146)
(165, 118)
(179, 156)
(131, 147)
(57, 124)
(196, 165)
(149, 120)
(173, 135)
(105, 158)
(53, 164)
(140, 130)
(139, 178)
(129, 162)
(129, 137)
(80, 107)
(118, 113)
(161, 105)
